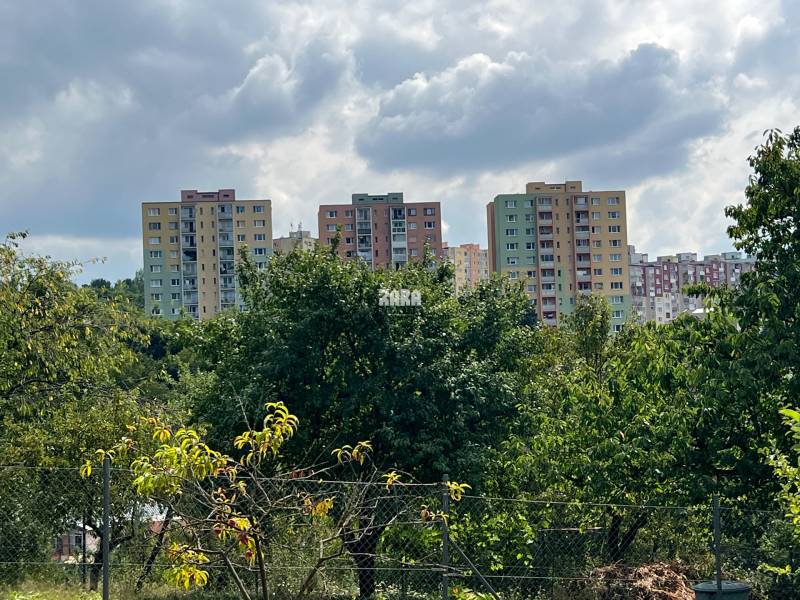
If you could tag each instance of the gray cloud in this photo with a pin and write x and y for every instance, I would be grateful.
(489, 114)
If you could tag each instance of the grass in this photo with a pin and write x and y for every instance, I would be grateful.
(43, 591)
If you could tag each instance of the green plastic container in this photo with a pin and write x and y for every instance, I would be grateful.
(731, 590)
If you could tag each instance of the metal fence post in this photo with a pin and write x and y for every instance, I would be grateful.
(445, 537)
(106, 524)
(717, 546)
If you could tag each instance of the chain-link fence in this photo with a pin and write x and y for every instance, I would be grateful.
(330, 539)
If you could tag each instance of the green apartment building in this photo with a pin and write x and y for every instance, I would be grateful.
(561, 241)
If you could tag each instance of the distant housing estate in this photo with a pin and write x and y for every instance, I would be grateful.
(657, 286)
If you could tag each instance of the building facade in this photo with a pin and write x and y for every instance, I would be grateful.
(657, 286)
(191, 248)
(562, 241)
(470, 264)
(299, 239)
(382, 230)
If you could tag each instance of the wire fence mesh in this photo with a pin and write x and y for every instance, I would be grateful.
(333, 539)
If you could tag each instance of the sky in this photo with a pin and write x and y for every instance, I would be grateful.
(106, 104)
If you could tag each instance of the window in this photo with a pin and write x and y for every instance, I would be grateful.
(156, 311)
(414, 252)
(530, 245)
(511, 218)
(613, 214)
(174, 268)
(616, 328)
(513, 274)
(511, 232)
(330, 227)
(545, 201)
(528, 204)
(155, 283)
(598, 286)
(547, 257)
(595, 216)
(348, 213)
(155, 253)
(258, 208)
(331, 214)
(595, 229)
(530, 231)
(155, 297)
(613, 229)
(616, 243)
(617, 314)
(511, 204)
(173, 211)
(153, 212)
(260, 237)
(154, 240)
(174, 282)
(240, 237)
(239, 223)
(173, 239)
(595, 201)
(154, 226)
(155, 268)
(512, 246)
(239, 210)
(412, 212)
(260, 251)
(530, 217)
(412, 225)
(597, 243)
(259, 223)
(512, 260)
(617, 299)
(613, 201)
(616, 285)
(615, 257)
(616, 270)
(598, 272)
(173, 254)
(430, 224)
(597, 257)
(428, 212)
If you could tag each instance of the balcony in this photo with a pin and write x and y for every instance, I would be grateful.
(583, 263)
(584, 275)
(545, 220)
(547, 279)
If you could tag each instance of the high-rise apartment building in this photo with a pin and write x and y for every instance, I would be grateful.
(383, 230)
(470, 264)
(562, 241)
(657, 286)
(191, 248)
(299, 239)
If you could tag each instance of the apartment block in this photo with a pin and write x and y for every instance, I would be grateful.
(657, 286)
(383, 230)
(561, 241)
(191, 248)
(470, 264)
(299, 239)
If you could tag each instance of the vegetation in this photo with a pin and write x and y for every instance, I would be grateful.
(318, 380)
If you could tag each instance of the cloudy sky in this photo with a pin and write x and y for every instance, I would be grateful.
(105, 104)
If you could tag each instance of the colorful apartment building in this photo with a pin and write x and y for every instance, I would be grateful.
(657, 287)
(382, 230)
(191, 248)
(562, 241)
(470, 264)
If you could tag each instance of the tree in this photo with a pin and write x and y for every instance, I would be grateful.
(423, 383)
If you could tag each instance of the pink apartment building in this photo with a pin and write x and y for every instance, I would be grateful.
(383, 230)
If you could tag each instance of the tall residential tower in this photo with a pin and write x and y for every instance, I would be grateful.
(562, 241)
(191, 248)
(383, 230)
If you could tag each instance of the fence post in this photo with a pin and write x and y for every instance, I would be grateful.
(106, 524)
(445, 538)
(717, 546)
